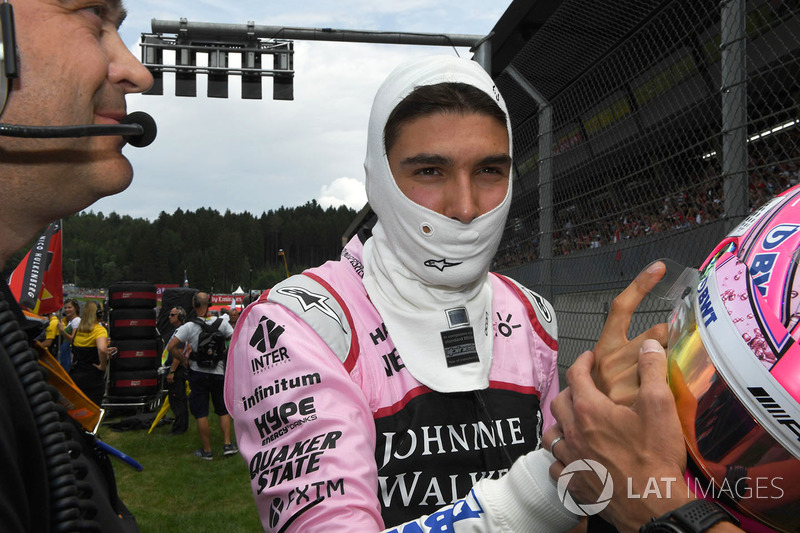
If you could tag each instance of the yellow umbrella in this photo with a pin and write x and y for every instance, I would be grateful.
(160, 415)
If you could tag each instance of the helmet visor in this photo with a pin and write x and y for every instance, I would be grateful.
(747, 467)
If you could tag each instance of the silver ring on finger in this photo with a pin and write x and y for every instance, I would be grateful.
(555, 441)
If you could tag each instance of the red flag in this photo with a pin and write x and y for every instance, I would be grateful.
(36, 282)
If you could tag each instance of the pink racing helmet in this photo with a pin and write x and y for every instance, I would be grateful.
(734, 368)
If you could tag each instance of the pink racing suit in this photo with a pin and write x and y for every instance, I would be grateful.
(338, 435)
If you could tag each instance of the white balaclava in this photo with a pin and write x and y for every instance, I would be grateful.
(431, 286)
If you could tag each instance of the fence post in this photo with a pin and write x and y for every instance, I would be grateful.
(734, 111)
(546, 198)
(545, 287)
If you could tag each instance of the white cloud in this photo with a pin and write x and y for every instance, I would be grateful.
(343, 191)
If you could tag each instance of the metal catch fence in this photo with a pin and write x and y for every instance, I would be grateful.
(643, 129)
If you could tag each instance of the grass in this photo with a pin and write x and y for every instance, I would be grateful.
(176, 491)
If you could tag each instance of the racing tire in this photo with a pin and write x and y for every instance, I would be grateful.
(132, 294)
(132, 324)
(136, 354)
(134, 383)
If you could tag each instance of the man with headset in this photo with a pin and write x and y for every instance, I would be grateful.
(177, 378)
(204, 380)
(67, 67)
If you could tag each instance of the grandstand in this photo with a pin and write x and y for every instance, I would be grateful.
(642, 130)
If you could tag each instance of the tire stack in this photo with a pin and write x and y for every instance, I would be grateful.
(133, 372)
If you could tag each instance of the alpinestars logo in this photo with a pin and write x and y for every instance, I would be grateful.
(441, 264)
(540, 304)
(273, 333)
(310, 300)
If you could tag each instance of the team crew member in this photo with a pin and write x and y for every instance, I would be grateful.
(73, 68)
(382, 387)
(90, 353)
(204, 381)
(176, 378)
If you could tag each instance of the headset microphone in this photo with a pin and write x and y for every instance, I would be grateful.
(138, 129)
(148, 125)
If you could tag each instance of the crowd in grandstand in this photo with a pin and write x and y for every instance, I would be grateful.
(773, 165)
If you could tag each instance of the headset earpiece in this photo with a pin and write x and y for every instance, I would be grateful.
(8, 52)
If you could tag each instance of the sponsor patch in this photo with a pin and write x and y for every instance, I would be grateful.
(278, 420)
(302, 498)
(774, 408)
(266, 361)
(440, 264)
(706, 306)
(392, 364)
(540, 304)
(505, 327)
(279, 464)
(263, 392)
(459, 347)
(267, 330)
(309, 300)
(357, 265)
(457, 317)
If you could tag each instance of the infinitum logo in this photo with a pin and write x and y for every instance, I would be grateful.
(586, 509)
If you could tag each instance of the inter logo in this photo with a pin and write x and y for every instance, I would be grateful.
(273, 333)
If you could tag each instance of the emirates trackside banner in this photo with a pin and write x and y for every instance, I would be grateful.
(36, 282)
(217, 299)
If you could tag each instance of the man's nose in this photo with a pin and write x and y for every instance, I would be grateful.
(461, 202)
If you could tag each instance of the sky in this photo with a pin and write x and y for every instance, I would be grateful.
(260, 155)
